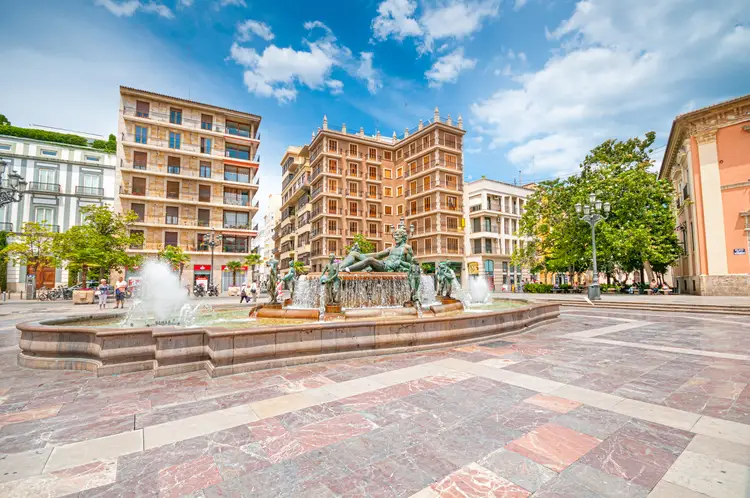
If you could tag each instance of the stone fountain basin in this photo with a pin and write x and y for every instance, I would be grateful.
(63, 345)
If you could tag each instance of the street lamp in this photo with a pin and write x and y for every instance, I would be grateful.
(12, 187)
(593, 213)
(212, 242)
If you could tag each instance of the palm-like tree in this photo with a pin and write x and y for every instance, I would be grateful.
(234, 267)
(176, 258)
(252, 260)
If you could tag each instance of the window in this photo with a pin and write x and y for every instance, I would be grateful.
(173, 190)
(204, 193)
(450, 161)
(373, 211)
(427, 182)
(389, 210)
(399, 190)
(205, 169)
(353, 209)
(139, 160)
(172, 215)
(412, 187)
(90, 184)
(173, 165)
(373, 173)
(452, 223)
(236, 220)
(48, 179)
(427, 246)
(427, 202)
(333, 206)
(234, 244)
(332, 226)
(451, 182)
(141, 135)
(174, 140)
(175, 115)
(488, 246)
(139, 186)
(426, 162)
(332, 145)
(412, 167)
(44, 215)
(236, 197)
(137, 233)
(372, 192)
(476, 225)
(353, 149)
(333, 166)
(93, 159)
(332, 246)
(235, 174)
(5, 146)
(373, 229)
(413, 207)
(398, 154)
(387, 228)
(400, 209)
(388, 191)
(207, 122)
(141, 109)
(353, 228)
(477, 246)
(387, 155)
(399, 172)
(237, 152)
(427, 225)
(353, 169)
(239, 129)
(452, 203)
(170, 239)
(333, 185)
(353, 188)
(452, 245)
(388, 174)
(487, 224)
(204, 217)
(372, 153)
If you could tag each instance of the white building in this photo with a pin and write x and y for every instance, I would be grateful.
(492, 211)
(61, 179)
(266, 231)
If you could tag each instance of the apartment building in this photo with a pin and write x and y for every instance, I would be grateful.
(493, 211)
(368, 184)
(294, 227)
(708, 162)
(60, 180)
(265, 241)
(189, 171)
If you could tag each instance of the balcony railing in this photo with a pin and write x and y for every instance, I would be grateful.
(90, 191)
(197, 124)
(237, 226)
(421, 166)
(172, 220)
(232, 200)
(6, 227)
(44, 187)
(426, 144)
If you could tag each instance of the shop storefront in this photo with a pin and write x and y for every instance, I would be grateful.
(226, 277)
(201, 275)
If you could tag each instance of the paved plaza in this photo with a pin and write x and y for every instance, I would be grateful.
(599, 404)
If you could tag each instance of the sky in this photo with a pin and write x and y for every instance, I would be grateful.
(537, 82)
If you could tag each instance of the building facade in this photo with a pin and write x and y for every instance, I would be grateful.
(293, 228)
(708, 162)
(362, 184)
(61, 179)
(189, 171)
(266, 233)
(492, 211)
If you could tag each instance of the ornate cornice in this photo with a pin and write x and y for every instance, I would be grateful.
(706, 136)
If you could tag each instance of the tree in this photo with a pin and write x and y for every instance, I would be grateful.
(234, 267)
(299, 267)
(252, 260)
(4, 120)
(176, 257)
(365, 246)
(34, 246)
(102, 242)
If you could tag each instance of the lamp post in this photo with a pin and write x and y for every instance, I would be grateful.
(12, 187)
(212, 242)
(593, 213)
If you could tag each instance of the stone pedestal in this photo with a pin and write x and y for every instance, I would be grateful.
(333, 308)
(83, 297)
(448, 300)
(275, 306)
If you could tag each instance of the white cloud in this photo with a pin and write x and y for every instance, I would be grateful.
(232, 3)
(277, 72)
(447, 68)
(249, 28)
(395, 20)
(519, 4)
(185, 3)
(622, 68)
(450, 19)
(127, 8)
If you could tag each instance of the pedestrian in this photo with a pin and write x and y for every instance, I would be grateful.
(243, 294)
(254, 291)
(101, 293)
(120, 288)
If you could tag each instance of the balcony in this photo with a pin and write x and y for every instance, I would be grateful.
(326, 171)
(172, 220)
(89, 191)
(234, 200)
(52, 188)
(160, 118)
(328, 191)
(422, 166)
(237, 226)
(431, 142)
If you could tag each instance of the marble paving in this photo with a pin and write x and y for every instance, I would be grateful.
(599, 404)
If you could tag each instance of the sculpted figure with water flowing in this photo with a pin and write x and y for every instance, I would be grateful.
(331, 281)
(290, 279)
(445, 277)
(394, 259)
(273, 278)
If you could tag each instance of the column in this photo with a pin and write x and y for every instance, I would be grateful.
(713, 212)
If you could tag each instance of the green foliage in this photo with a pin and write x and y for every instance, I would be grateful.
(175, 256)
(109, 145)
(253, 259)
(538, 288)
(640, 227)
(428, 267)
(3, 257)
(102, 242)
(299, 267)
(234, 267)
(35, 245)
(4, 120)
(365, 245)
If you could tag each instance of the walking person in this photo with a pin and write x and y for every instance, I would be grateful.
(120, 288)
(243, 294)
(101, 293)
(254, 291)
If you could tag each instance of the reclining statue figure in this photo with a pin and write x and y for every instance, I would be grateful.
(394, 259)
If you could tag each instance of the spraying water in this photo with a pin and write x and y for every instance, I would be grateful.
(427, 293)
(479, 290)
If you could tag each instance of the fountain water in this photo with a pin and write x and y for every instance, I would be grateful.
(427, 292)
(359, 291)
(479, 290)
(459, 293)
(162, 300)
(306, 293)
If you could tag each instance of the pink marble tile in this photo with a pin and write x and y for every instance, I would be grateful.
(333, 430)
(266, 428)
(306, 383)
(553, 446)
(282, 447)
(187, 477)
(26, 415)
(710, 387)
(554, 403)
(474, 480)
(63, 482)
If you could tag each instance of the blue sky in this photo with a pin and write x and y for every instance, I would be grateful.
(538, 82)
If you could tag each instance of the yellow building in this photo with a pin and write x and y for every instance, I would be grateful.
(293, 229)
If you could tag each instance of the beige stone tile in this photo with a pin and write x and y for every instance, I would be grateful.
(720, 448)
(666, 489)
(521, 380)
(710, 476)
(455, 364)
(587, 396)
(656, 413)
(723, 429)
(21, 465)
(92, 450)
(293, 402)
(585, 334)
(199, 425)
(498, 362)
(426, 493)
(353, 387)
(62, 483)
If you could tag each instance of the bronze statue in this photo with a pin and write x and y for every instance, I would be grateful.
(273, 279)
(393, 259)
(290, 279)
(445, 278)
(354, 256)
(331, 280)
(415, 280)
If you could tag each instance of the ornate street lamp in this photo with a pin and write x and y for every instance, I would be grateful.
(212, 242)
(593, 213)
(12, 187)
